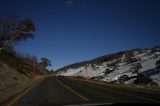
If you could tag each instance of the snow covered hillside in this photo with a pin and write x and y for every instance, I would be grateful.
(135, 67)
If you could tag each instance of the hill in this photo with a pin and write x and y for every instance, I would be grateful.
(16, 72)
(136, 66)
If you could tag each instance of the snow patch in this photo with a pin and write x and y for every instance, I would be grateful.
(146, 59)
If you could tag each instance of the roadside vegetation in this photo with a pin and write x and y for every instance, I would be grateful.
(12, 31)
(18, 70)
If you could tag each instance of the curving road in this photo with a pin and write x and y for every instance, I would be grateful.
(67, 91)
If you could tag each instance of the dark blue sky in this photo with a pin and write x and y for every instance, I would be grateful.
(69, 31)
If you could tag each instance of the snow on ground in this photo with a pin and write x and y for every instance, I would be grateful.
(72, 72)
(148, 64)
(98, 72)
(116, 74)
(131, 81)
(91, 72)
(156, 78)
(147, 60)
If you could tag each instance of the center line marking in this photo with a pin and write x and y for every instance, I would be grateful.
(73, 91)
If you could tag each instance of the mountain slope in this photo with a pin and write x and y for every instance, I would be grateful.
(135, 66)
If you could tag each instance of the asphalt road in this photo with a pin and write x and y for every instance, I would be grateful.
(66, 91)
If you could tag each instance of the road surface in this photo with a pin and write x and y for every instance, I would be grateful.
(66, 91)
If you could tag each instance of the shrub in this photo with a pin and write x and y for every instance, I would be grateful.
(97, 78)
(158, 64)
(80, 77)
(136, 67)
(131, 60)
(113, 64)
(142, 79)
(107, 71)
(123, 78)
